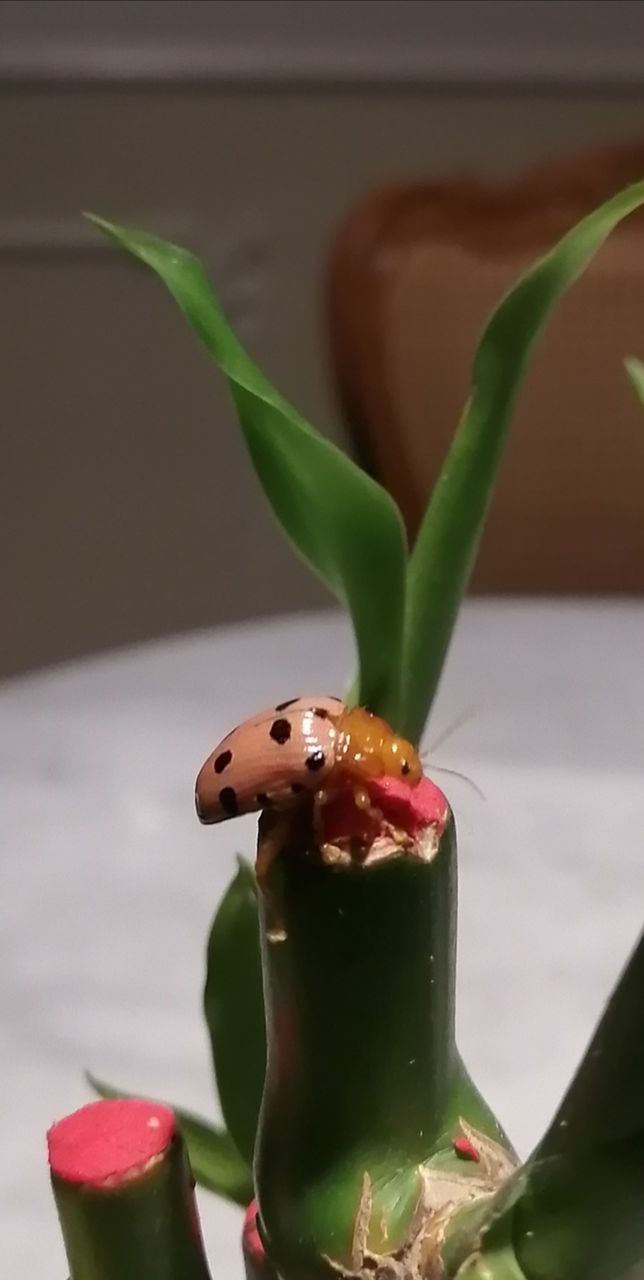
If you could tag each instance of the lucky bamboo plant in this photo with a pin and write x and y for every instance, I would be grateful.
(354, 1134)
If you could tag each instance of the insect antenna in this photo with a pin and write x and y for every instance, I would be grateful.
(451, 728)
(442, 738)
(441, 768)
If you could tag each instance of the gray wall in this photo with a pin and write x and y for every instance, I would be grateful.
(244, 131)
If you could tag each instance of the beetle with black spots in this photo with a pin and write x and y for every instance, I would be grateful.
(306, 745)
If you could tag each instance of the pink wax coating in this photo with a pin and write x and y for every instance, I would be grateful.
(108, 1141)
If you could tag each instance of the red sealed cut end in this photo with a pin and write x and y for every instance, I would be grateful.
(251, 1237)
(412, 810)
(465, 1149)
(109, 1142)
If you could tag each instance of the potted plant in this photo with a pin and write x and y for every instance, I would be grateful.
(359, 1143)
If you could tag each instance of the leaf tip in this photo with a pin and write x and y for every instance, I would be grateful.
(94, 1083)
(109, 229)
(635, 371)
(97, 219)
(246, 873)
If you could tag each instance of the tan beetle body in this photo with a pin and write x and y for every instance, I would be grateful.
(302, 745)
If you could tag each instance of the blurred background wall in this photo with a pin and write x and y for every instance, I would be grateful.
(245, 131)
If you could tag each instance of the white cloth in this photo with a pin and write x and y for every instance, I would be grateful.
(109, 883)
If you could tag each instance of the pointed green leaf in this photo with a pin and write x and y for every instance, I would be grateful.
(345, 525)
(214, 1158)
(578, 1214)
(605, 1102)
(566, 1217)
(234, 1008)
(635, 371)
(449, 535)
(581, 1218)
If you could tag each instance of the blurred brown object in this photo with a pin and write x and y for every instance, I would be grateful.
(415, 270)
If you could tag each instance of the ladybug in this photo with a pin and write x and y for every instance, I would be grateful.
(305, 745)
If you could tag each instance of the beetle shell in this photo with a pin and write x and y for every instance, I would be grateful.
(270, 759)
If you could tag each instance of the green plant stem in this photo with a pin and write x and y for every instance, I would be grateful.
(363, 1074)
(144, 1228)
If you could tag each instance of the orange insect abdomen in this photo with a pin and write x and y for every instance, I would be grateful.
(366, 747)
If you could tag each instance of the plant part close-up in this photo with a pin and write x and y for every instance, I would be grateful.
(355, 1139)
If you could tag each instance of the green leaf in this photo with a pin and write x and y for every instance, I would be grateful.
(214, 1158)
(448, 539)
(582, 1219)
(234, 1008)
(578, 1212)
(345, 525)
(605, 1102)
(635, 371)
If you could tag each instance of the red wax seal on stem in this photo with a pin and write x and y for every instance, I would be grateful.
(466, 1149)
(251, 1237)
(410, 809)
(109, 1142)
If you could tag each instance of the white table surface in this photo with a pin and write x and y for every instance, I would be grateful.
(97, 765)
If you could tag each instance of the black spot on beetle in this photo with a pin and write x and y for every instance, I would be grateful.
(315, 761)
(228, 801)
(263, 800)
(405, 767)
(223, 760)
(321, 713)
(297, 788)
(281, 706)
(281, 731)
